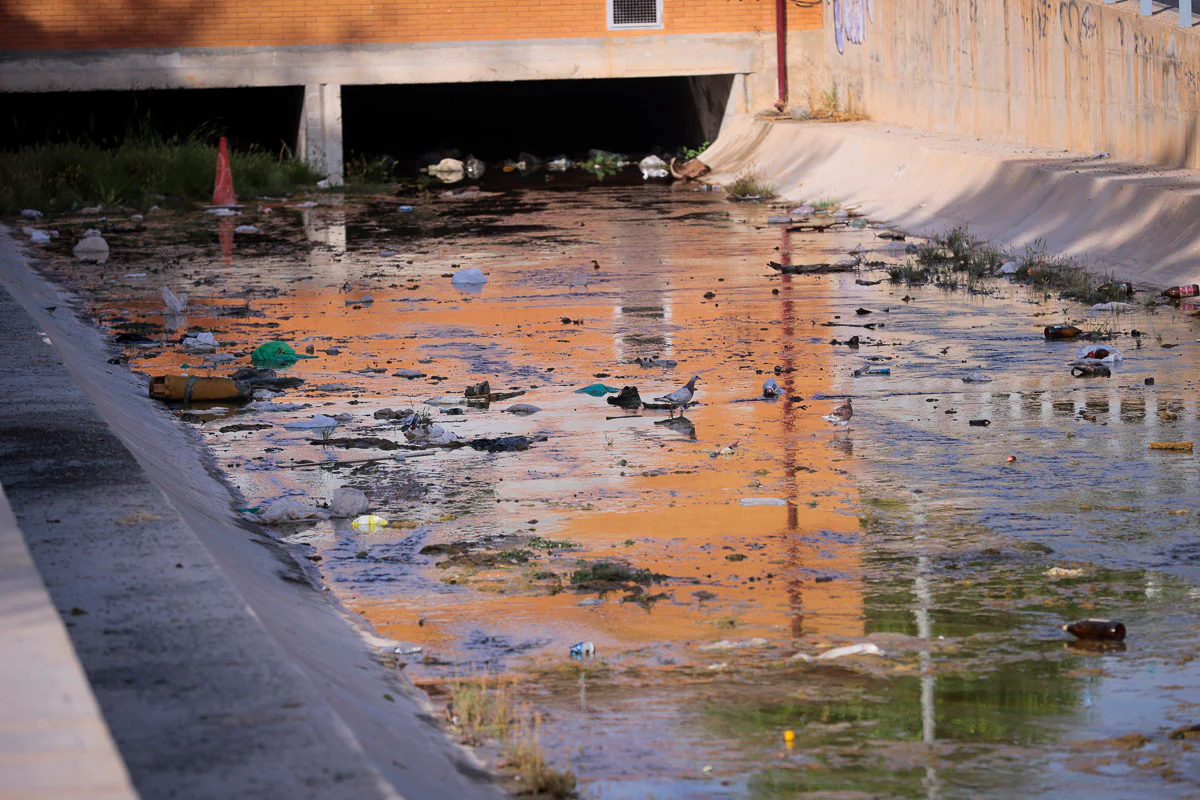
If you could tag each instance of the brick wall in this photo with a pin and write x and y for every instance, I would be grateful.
(104, 24)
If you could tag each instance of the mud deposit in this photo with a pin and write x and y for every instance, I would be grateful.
(912, 530)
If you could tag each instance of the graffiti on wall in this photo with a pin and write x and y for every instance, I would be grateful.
(850, 19)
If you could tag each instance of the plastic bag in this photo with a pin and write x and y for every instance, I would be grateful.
(653, 167)
(290, 510)
(275, 354)
(319, 424)
(368, 522)
(1098, 354)
(174, 304)
(92, 248)
(469, 276)
(200, 343)
(597, 390)
(347, 502)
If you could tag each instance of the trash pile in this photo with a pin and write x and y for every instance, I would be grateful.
(448, 167)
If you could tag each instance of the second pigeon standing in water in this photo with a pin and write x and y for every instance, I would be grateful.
(681, 396)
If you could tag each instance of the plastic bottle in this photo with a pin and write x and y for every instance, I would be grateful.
(1176, 292)
(1117, 288)
(1061, 331)
(583, 649)
(1100, 629)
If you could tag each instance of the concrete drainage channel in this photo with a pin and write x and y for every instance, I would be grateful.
(255, 685)
(219, 669)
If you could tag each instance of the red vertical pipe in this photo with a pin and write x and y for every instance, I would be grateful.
(781, 50)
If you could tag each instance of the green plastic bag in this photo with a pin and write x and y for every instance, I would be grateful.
(597, 390)
(275, 354)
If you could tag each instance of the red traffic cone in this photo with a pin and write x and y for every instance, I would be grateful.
(223, 195)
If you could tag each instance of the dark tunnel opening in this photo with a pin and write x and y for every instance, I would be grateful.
(265, 118)
(493, 121)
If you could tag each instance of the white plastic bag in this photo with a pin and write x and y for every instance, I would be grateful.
(200, 343)
(175, 304)
(470, 276)
(1098, 354)
(347, 502)
(290, 510)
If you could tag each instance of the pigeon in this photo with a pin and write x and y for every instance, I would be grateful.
(771, 388)
(681, 396)
(841, 415)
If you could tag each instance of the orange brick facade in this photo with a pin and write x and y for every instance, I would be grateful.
(122, 24)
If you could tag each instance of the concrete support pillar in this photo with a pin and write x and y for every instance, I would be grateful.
(1146, 8)
(1185, 13)
(319, 141)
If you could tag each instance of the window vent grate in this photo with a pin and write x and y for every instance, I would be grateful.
(634, 14)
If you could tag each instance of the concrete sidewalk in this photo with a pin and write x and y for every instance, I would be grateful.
(220, 670)
(53, 741)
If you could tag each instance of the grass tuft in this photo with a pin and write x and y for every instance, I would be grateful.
(751, 183)
(484, 709)
(910, 273)
(144, 169)
(526, 758)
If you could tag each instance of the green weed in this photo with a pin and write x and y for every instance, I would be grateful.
(612, 572)
(145, 168)
(751, 183)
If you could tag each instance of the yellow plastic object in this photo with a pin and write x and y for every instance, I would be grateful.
(789, 736)
(369, 522)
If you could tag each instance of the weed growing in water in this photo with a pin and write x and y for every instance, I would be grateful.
(515, 555)
(368, 171)
(538, 543)
(752, 184)
(957, 251)
(1037, 267)
(611, 572)
(603, 164)
(525, 757)
(485, 709)
(910, 273)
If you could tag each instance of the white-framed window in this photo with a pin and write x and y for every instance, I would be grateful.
(633, 14)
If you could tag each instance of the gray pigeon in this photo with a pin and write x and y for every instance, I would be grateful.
(681, 396)
(771, 388)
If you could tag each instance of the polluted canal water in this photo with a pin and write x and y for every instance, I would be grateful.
(766, 603)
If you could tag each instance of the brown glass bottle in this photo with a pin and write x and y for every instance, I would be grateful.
(1176, 292)
(1101, 629)
(1062, 331)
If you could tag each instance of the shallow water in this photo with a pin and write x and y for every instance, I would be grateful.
(911, 529)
